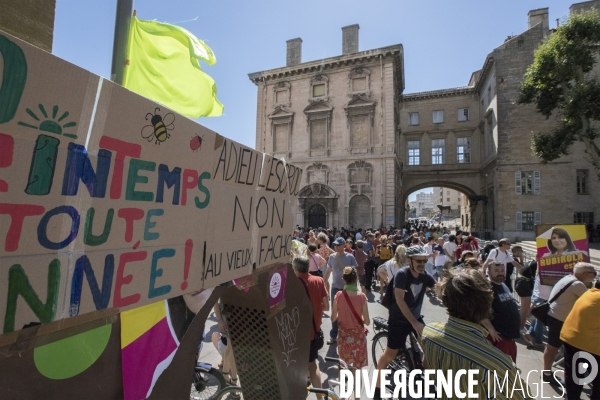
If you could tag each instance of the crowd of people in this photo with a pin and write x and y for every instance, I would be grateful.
(472, 280)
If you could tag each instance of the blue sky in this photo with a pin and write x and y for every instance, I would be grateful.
(444, 40)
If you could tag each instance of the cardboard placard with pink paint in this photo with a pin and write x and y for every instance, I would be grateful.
(109, 200)
(559, 248)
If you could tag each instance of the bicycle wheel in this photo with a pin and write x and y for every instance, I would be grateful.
(402, 360)
(379, 345)
(207, 385)
(231, 393)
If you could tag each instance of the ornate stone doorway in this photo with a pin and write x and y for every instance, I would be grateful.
(318, 205)
(317, 216)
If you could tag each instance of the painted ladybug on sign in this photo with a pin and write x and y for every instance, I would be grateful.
(196, 143)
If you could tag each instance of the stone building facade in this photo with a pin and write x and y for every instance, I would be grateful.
(447, 197)
(374, 145)
(337, 119)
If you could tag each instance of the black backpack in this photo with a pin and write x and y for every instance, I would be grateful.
(388, 298)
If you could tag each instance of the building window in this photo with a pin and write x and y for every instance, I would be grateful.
(359, 130)
(463, 114)
(527, 221)
(438, 147)
(319, 86)
(463, 150)
(413, 118)
(280, 139)
(448, 192)
(527, 182)
(413, 153)
(438, 117)
(582, 177)
(489, 94)
(318, 134)
(583, 218)
(319, 90)
(448, 200)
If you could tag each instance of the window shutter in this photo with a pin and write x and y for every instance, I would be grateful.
(518, 183)
(537, 218)
(536, 182)
(519, 220)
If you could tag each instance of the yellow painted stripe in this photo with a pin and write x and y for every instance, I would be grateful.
(134, 323)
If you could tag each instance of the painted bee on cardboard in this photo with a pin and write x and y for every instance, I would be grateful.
(159, 126)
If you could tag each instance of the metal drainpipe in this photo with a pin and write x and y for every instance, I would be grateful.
(264, 116)
(381, 112)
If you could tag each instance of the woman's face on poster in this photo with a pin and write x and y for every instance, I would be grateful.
(560, 244)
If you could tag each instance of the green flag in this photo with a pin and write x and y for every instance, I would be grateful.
(162, 64)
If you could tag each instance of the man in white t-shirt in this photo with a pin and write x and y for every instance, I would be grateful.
(440, 258)
(431, 256)
(502, 254)
(450, 248)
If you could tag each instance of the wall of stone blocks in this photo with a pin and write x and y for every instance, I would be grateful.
(29, 20)
(558, 199)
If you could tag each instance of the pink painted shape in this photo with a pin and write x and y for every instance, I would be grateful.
(141, 357)
(7, 144)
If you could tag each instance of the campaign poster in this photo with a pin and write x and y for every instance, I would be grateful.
(559, 248)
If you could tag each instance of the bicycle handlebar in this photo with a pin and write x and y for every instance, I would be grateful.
(330, 394)
(337, 361)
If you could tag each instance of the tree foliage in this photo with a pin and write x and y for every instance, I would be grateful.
(560, 81)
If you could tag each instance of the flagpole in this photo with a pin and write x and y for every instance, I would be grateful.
(122, 23)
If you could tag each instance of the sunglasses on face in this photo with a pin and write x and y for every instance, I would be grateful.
(419, 261)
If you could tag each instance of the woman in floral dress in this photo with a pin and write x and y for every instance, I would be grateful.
(352, 341)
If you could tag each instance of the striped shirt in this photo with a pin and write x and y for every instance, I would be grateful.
(459, 344)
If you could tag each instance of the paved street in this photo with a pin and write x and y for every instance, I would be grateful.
(527, 360)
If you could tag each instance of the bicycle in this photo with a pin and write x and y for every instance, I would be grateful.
(208, 382)
(231, 393)
(409, 357)
(328, 393)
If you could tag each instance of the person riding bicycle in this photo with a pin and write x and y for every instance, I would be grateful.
(405, 312)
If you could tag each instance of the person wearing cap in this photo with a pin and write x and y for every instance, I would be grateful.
(335, 267)
(405, 317)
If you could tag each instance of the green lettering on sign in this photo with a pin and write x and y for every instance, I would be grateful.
(14, 76)
(18, 284)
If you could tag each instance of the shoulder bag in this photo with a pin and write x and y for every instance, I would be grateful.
(541, 310)
(358, 319)
(318, 272)
(319, 336)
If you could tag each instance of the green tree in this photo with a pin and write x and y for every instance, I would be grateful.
(559, 80)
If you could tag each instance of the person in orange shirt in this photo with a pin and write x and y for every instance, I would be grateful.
(581, 334)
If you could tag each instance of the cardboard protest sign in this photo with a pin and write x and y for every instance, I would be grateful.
(109, 200)
(559, 248)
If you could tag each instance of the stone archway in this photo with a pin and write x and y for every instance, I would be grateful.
(317, 216)
(318, 201)
(359, 212)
